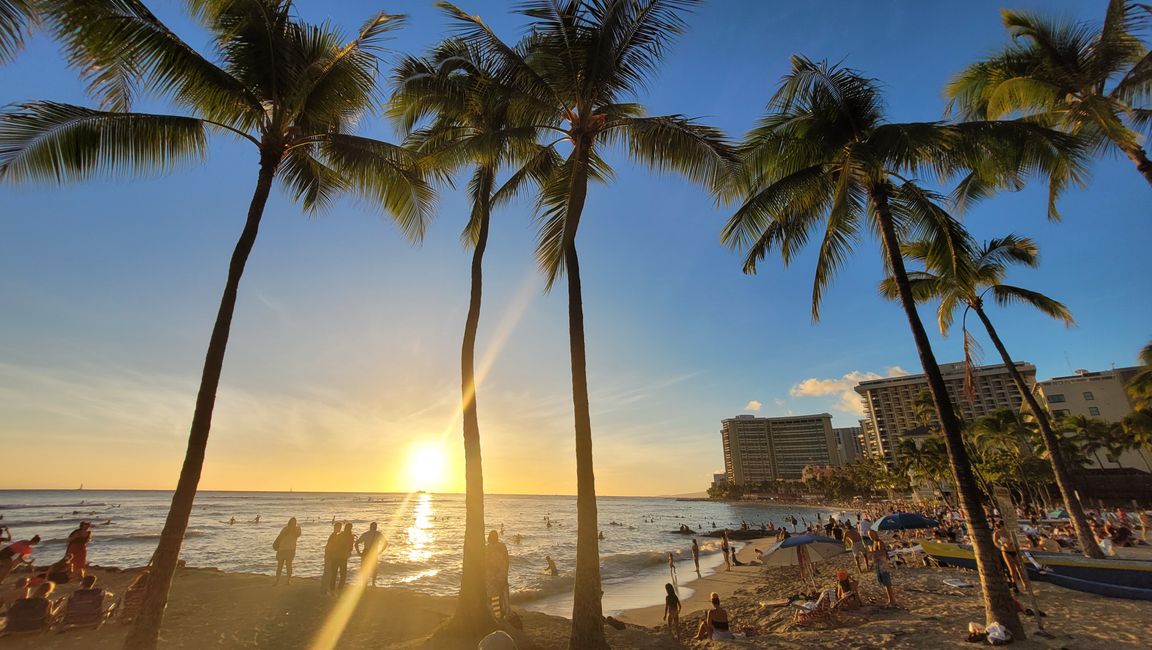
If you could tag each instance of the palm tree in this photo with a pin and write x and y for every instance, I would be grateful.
(824, 156)
(470, 125)
(1092, 81)
(574, 72)
(1140, 385)
(1138, 432)
(1090, 434)
(964, 281)
(15, 18)
(289, 88)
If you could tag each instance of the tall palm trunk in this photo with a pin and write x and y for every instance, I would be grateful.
(145, 633)
(1051, 444)
(998, 604)
(587, 611)
(473, 613)
(1137, 155)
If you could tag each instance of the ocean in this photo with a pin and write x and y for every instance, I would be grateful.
(424, 533)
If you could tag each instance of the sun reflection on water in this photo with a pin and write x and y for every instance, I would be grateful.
(420, 538)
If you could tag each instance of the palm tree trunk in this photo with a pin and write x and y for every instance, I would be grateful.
(473, 613)
(1051, 444)
(145, 633)
(1143, 165)
(587, 611)
(998, 605)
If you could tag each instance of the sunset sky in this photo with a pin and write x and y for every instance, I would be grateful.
(343, 362)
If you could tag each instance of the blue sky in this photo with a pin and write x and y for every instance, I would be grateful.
(344, 353)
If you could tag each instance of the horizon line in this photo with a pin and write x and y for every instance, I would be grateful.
(501, 494)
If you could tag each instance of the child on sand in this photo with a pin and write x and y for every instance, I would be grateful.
(883, 569)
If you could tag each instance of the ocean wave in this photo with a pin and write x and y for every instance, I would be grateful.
(29, 506)
(549, 586)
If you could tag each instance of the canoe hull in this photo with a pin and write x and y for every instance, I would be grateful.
(1115, 578)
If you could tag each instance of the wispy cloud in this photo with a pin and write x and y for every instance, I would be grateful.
(753, 405)
(847, 400)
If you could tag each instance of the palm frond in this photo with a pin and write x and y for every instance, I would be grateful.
(385, 175)
(16, 17)
(121, 47)
(1005, 294)
(675, 143)
(310, 181)
(62, 142)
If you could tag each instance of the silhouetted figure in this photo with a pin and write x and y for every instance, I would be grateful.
(496, 557)
(369, 547)
(328, 580)
(285, 547)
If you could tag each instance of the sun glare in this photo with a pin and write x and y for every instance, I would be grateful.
(426, 467)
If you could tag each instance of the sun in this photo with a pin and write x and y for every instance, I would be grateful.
(426, 467)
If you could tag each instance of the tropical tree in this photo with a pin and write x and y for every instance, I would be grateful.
(290, 89)
(15, 18)
(1094, 81)
(1140, 385)
(1090, 434)
(964, 281)
(469, 125)
(575, 71)
(1138, 432)
(824, 158)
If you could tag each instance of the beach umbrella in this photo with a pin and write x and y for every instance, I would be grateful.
(818, 547)
(904, 521)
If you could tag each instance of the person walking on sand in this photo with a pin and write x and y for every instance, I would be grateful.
(496, 556)
(724, 550)
(77, 550)
(328, 580)
(855, 544)
(883, 569)
(369, 547)
(672, 610)
(696, 556)
(672, 566)
(20, 551)
(285, 547)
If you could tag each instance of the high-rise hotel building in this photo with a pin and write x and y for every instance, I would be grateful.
(890, 403)
(766, 449)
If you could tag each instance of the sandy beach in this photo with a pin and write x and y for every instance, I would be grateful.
(215, 609)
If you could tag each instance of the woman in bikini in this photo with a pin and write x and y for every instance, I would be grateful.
(716, 625)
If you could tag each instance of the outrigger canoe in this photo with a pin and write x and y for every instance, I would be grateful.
(1112, 577)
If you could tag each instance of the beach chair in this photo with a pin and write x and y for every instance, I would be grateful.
(129, 605)
(85, 609)
(821, 610)
(27, 616)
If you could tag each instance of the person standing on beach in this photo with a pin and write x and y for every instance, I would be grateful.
(696, 556)
(369, 547)
(328, 579)
(856, 545)
(883, 570)
(77, 550)
(672, 611)
(345, 544)
(285, 547)
(724, 550)
(16, 552)
(496, 557)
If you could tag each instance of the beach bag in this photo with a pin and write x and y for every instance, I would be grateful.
(276, 544)
(998, 634)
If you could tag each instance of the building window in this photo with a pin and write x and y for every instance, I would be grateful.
(1055, 398)
(1088, 396)
(1092, 410)
(1060, 413)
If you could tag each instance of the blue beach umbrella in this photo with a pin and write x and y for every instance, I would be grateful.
(904, 521)
(819, 547)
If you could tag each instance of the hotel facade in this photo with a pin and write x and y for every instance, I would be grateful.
(890, 403)
(769, 449)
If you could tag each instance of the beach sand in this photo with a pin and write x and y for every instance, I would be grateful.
(213, 609)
